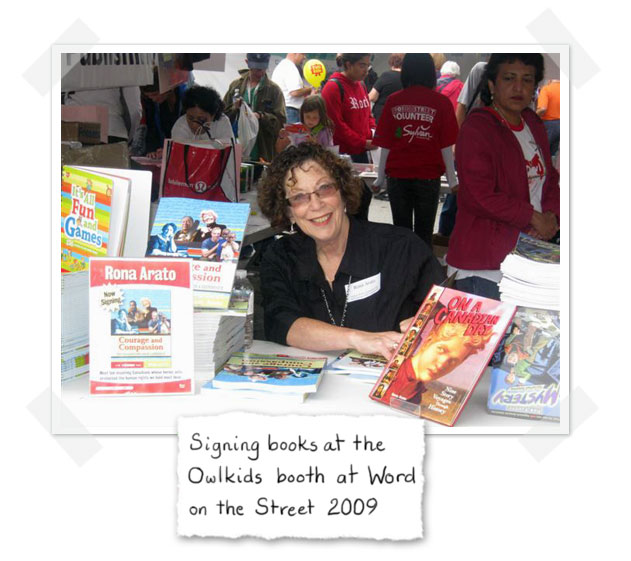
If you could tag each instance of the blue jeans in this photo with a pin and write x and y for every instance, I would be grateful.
(293, 115)
(553, 128)
(447, 219)
(479, 287)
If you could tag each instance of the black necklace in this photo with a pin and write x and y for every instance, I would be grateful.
(326, 303)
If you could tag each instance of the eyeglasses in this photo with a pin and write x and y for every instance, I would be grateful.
(322, 192)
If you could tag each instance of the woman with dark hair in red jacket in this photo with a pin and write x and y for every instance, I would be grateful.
(507, 183)
(348, 106)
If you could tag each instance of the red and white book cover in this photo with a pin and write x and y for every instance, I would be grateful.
(141, 326)
(443, 354)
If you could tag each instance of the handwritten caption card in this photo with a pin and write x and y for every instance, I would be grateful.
(333, 476)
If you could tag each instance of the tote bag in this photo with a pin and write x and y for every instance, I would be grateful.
(197, 171)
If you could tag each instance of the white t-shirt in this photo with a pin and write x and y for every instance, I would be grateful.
(219, 130)
(534, 165)
(471, 85)
(287, 77)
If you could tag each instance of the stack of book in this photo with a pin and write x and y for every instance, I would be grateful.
(532, 274)
(268, 376)
(95, 206)
(359, 367)
(526, 374)
(211, 233)
(74, 325)
(217, 336)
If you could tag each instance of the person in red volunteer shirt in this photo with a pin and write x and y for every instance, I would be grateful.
(416, 131)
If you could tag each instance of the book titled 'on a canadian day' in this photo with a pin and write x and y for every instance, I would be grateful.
(443, 354)
(141, 326)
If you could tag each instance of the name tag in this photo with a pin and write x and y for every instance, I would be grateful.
(363, 288)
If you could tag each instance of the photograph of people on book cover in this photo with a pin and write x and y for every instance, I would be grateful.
(270, 372)
(151, 317)
(526, 367)
(205, 230)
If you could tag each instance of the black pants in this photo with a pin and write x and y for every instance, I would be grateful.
(414, 203)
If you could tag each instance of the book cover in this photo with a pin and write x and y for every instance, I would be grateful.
(356, 362)
(141, 326)
(86, 201)
(270, 373)
(209, 232)
(537, 250)
(525, 379)
(443, 354)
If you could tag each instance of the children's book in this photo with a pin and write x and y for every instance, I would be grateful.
(358, 363)
(141, 326)
(443, 354)
(209, 232)
(270, 373)
(537, 250)
(104, 212)
(525, 379)
(94, 209)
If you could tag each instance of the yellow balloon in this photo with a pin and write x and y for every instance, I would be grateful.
(314, 72)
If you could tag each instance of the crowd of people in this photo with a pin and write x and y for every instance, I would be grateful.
(340, 281)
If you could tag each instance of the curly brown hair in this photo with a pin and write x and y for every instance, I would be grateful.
(271, 191)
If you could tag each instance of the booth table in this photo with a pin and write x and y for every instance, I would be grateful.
(77, 412)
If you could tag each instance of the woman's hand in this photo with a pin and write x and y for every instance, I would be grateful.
(383, 343)
(545, 225)
(404, 325)
(155, 155)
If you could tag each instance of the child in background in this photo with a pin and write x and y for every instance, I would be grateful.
(314, 126)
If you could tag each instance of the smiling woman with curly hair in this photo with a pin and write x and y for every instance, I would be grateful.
(272, 198)
(338, 282)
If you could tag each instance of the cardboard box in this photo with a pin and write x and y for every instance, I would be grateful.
(87, 114)
(103, 155)
(85, 133)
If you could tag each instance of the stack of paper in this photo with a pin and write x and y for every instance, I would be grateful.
(532, 274)
(268, 376)
(74, 325)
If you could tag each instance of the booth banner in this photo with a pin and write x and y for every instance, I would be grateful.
(84, 71)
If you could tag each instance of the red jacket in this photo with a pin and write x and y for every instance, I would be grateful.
(352, 116)
(494, 199)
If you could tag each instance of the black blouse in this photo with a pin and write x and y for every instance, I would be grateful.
(390, 258)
